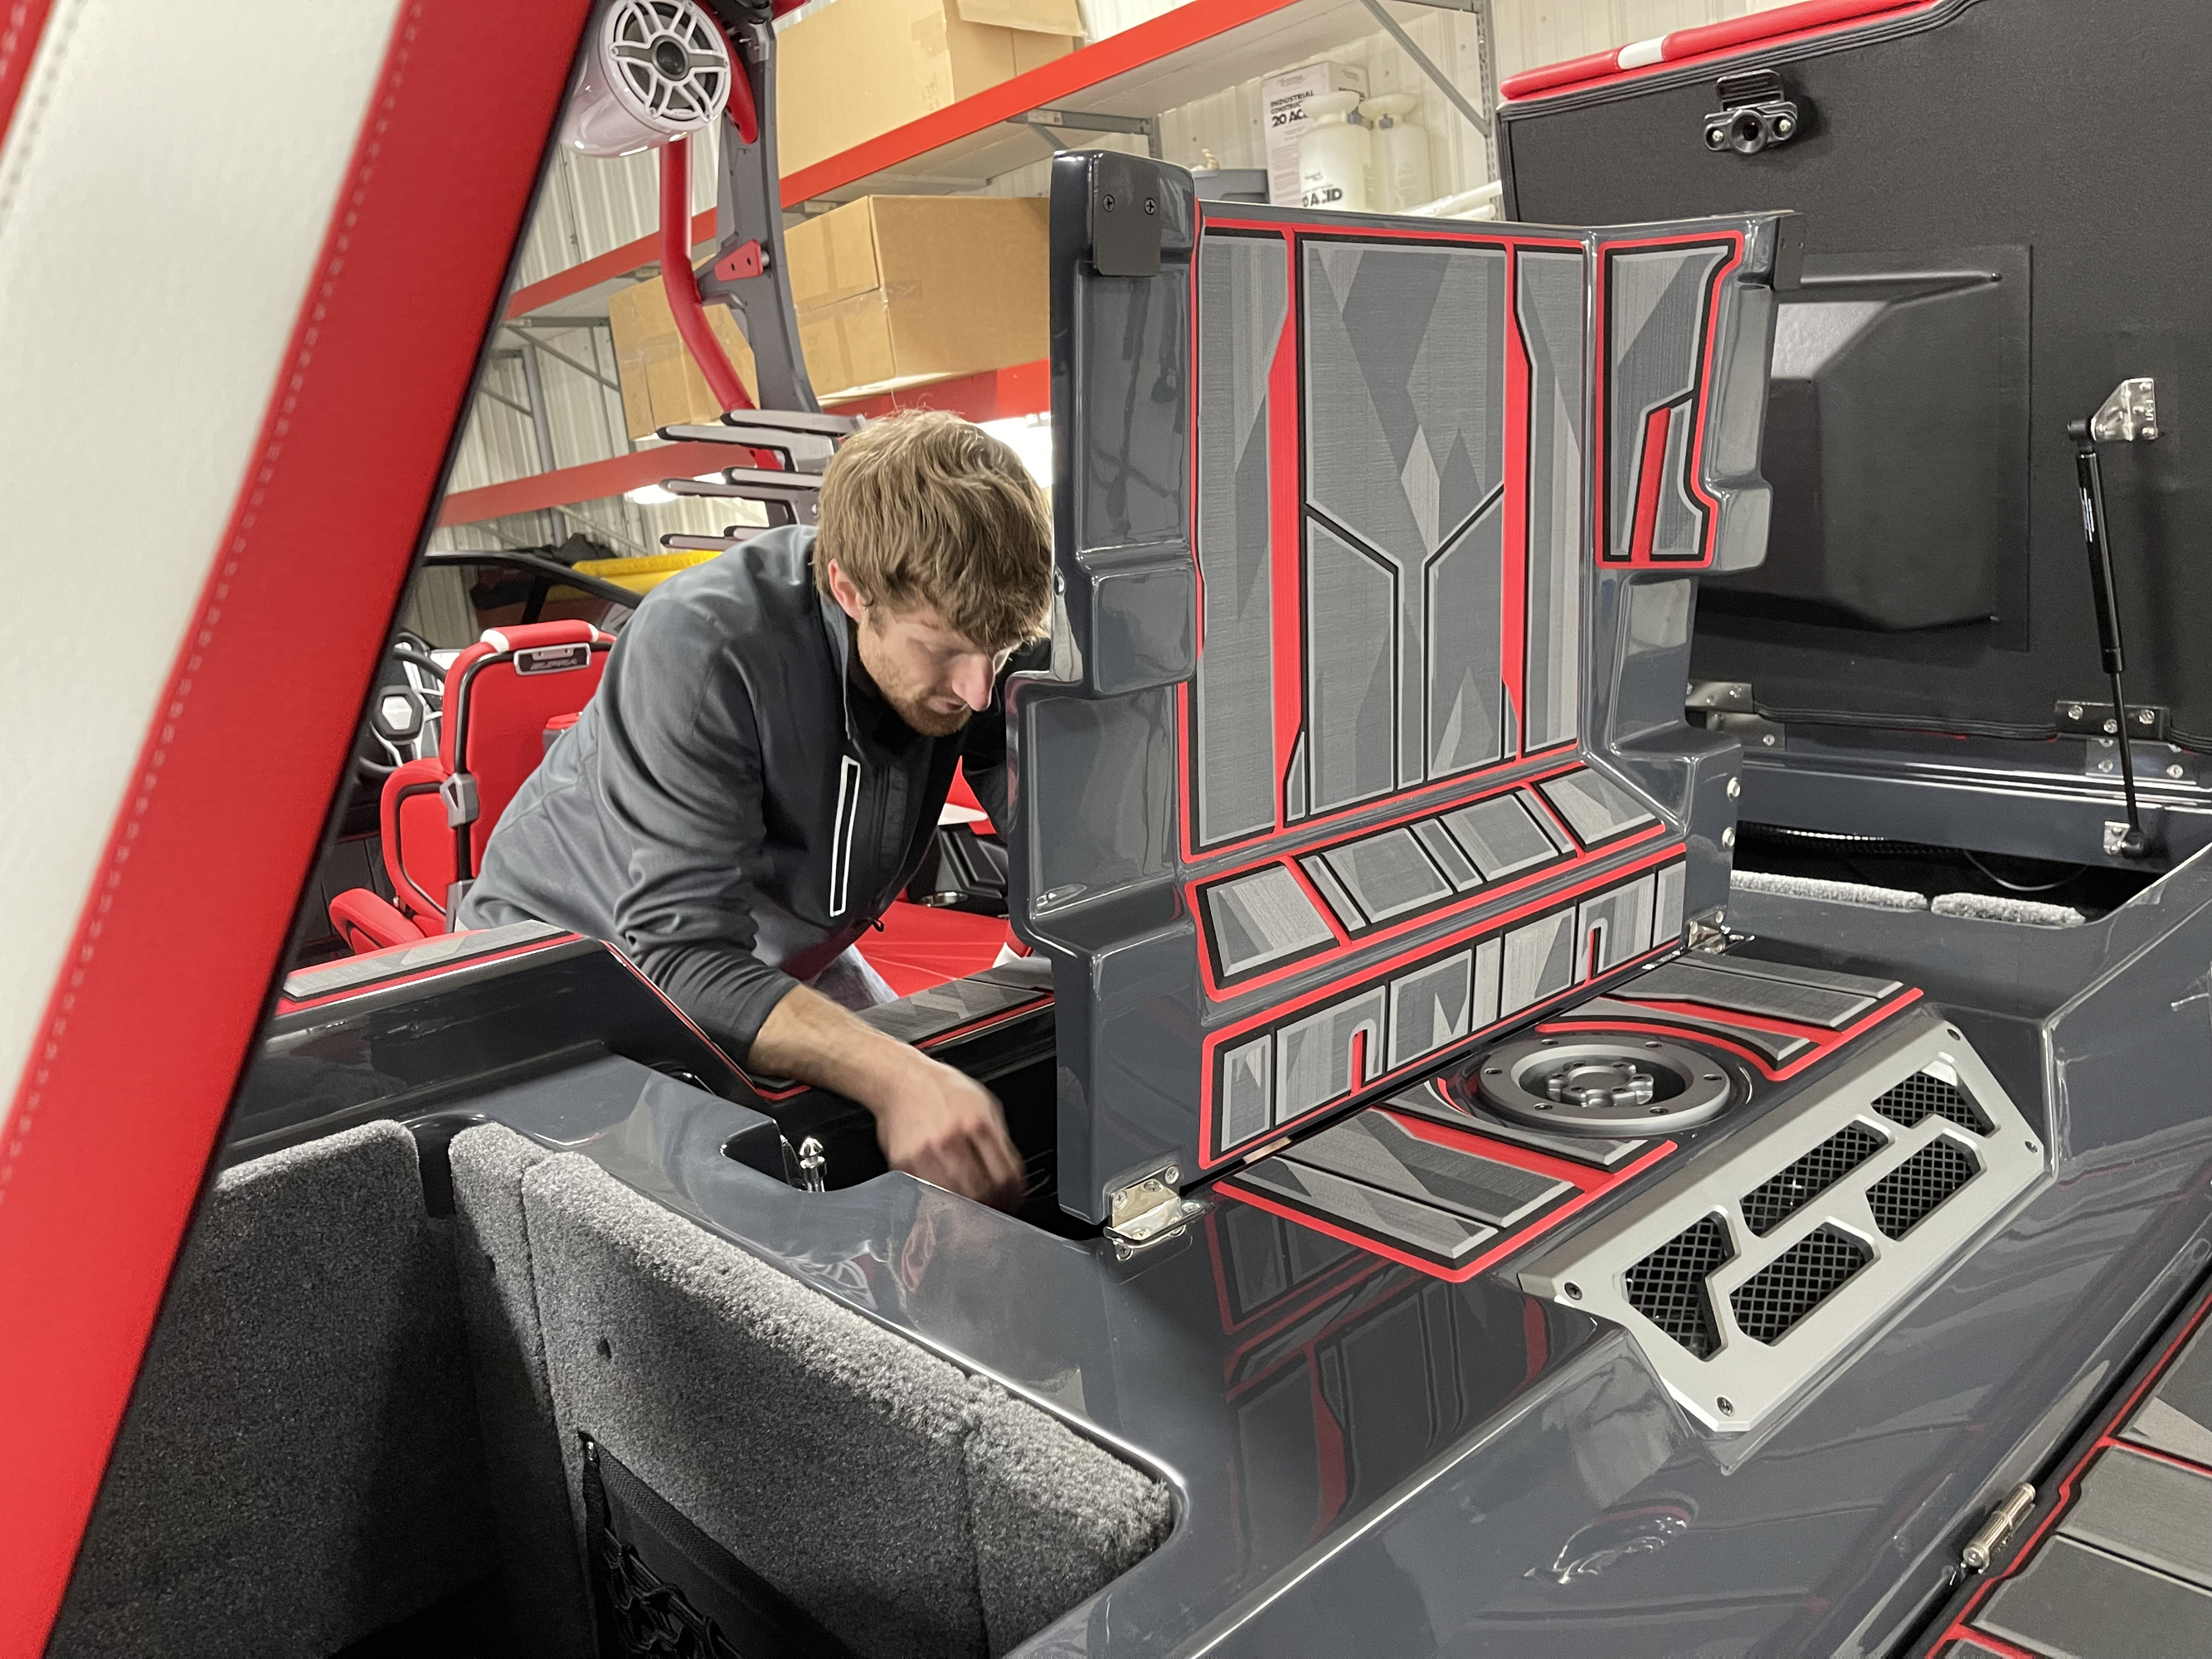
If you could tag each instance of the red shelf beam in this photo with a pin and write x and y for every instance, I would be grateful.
(1187, 26)
(998, 394)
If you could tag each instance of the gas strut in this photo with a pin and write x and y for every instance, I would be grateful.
(2131, 412)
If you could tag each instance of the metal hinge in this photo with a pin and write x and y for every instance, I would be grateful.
(1728, 706)
(1989, 1538)
(1148, 1210)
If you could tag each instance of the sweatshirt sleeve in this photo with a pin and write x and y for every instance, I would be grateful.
(680, 769)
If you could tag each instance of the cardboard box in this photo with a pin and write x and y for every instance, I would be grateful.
(660, 384)
(898, 290)
(1283, 97)
(859, 68)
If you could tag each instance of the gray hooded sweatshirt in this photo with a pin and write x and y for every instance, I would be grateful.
(737, 805)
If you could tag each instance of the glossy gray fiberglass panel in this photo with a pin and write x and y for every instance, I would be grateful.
(1368, 1461)
(1209, 721)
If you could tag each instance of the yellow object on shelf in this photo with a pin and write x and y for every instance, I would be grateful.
(641, 575)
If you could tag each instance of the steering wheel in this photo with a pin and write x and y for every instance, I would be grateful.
(404, 710)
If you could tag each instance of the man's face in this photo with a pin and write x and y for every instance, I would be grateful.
(933, 678)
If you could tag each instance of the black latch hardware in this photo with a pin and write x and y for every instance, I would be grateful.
(1756, 113)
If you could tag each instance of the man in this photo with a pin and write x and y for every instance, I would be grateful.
(763, 766)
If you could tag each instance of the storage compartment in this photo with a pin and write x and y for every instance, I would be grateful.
(897, 290)
(1897, 445)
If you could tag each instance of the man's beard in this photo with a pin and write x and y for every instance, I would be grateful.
(932, 722)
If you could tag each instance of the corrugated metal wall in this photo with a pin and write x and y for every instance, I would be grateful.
(592, 207)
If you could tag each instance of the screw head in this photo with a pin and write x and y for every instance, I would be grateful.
(1783, 126)
(2112, 726)
(1726, 1406)
(2143, 717)
(2104, 766)
(2073, 711)
(1715, 137)
(2173, 771)
(1151, 206)
(1574, 1292)
(1106, 201)
(1735, 788)
(1768, 740)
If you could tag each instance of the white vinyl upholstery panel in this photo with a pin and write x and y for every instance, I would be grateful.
(165, 189)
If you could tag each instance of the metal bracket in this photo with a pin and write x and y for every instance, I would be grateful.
(1125, 207)
(1728, 706)
(1053, 122)
(1147, 1212)
(2077, 717)
(1443, 82)
(2129, 414)
(1756, 113)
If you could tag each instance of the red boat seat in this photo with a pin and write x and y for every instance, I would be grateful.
(508, 696)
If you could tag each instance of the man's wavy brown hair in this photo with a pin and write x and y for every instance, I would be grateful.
(926, 509)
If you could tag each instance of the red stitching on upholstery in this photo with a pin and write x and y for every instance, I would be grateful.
(210, 618)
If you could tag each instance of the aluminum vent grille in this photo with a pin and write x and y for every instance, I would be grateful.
(1773, 1202)
(1901, 1199)
(1761, 1262)
(1923, 1094)
(1796, 1282)
(1667, 1287)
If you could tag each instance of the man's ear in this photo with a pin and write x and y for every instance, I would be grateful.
(845, 593)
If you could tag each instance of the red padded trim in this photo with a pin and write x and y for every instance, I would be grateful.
(418, 846)
(21, 22)
(347, 462)
(563, 722)
(367, 923)
(496, 717)
(1804, 20)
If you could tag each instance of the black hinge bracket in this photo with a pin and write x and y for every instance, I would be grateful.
(1126, 206)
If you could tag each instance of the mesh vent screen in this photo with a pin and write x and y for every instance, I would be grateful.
(1774, 1202)
(1920, 1095)
(1667, 1287)
(1901, 1199)
(1796, 1282)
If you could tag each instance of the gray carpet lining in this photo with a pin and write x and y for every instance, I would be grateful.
(352, 1410)
(300, 1466)
(540, 1533)
(913, 1509)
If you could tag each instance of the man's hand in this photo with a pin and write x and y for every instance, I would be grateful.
(932, 1122)
(946, 1128)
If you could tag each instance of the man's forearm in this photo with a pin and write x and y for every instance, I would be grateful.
(810, 1039)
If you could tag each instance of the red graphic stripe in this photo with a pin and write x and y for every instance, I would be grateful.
(1650, 468)
(20, 25)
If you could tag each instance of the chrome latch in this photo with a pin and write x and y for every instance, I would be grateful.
(1981, 1549)
(1148, 1210)
(805, 1168)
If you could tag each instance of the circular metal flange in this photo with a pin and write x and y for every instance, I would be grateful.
(1603, 1083)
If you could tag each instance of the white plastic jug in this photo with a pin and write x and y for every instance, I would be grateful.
(1335, 164)
(1401, 151)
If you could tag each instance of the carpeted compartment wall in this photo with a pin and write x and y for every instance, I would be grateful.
(912, 1508)
(300, 1466)
(540, 1534)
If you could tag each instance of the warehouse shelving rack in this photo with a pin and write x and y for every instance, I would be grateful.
(1121, 84)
